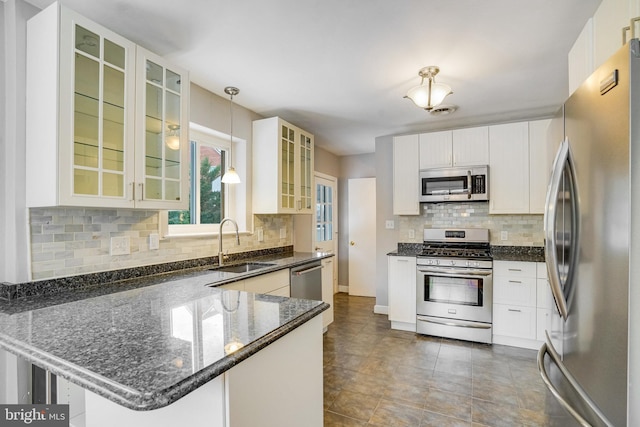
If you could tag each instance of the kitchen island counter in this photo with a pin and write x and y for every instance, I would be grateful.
(146, 347)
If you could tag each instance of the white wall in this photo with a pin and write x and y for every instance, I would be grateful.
(387, 240)
(13, 244)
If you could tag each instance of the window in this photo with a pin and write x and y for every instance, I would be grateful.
(208, 197)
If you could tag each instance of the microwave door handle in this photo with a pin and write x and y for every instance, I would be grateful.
(458, 272)
(469, 184)
(550, 228)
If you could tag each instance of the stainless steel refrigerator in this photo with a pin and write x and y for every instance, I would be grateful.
(591, 361)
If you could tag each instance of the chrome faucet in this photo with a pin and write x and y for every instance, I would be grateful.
(220, 253)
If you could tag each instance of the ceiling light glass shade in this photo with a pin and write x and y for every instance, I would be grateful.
(428, 94)
(231, 176)
(173, 137)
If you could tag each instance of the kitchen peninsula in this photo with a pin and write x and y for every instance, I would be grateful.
(179, 352)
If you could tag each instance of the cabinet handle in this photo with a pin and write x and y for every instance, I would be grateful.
(132, 191)
(515, 269)
(403, 260)
(515, 281)
(514, 310)
(141, 195)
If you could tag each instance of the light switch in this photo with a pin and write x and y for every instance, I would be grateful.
(154, 242)
(260, 234)
(120, 246)
(504, 235)
(389, 224)
(412, 233)
(283, 233)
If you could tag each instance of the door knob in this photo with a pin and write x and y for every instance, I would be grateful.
(352, 243)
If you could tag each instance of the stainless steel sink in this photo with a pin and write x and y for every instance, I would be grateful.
(245, 267)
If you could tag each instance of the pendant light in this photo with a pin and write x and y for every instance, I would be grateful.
(430, 94)
(173, 137)
(231, 176)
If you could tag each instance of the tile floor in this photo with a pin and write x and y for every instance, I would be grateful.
(376, 376)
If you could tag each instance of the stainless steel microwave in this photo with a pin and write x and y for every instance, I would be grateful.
(454, 184)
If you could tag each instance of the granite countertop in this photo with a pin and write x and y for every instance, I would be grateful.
(135, 346)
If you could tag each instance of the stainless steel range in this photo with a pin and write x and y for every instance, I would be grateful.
(455, 284)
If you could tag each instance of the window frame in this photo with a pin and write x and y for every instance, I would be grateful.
(200, 135)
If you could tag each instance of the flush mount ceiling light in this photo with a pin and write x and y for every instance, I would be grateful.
(429, 94)
(173, 137)
(231, 176)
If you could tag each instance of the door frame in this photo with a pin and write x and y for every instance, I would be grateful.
(334, 182)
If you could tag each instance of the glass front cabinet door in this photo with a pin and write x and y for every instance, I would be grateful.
(289, 187)
(83, 143)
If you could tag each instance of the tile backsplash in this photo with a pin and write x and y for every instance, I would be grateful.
(522, 230)
(72, 241)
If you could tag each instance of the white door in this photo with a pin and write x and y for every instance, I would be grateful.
(362, 237)
(325, 221)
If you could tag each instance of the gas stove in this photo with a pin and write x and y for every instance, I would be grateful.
(456, 247)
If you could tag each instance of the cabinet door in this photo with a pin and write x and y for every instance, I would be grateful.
(327, 290)
(514, 321)
(405, 175)
(435, 149)
(287, 168)
(509, 168)
(96, 114)
(402, 289)
(580, 58)
(539, 167)
(305, 184)
(162, 150)
(471, 146)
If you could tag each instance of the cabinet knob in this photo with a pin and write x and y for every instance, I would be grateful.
(352, 243)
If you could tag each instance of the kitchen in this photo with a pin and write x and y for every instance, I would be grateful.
(212, 112)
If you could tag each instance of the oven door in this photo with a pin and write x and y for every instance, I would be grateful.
(463, 294)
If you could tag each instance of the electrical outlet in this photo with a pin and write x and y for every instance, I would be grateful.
(120, 246)
(504, 235)
(412, 233)
(154, 242)
(389, 224)
(283, 233)
(260, 233)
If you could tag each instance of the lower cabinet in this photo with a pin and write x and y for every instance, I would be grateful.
(327, 290)
(401, 282)
(521, 303)
(276, 283)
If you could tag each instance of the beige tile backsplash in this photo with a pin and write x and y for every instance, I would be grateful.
(72, 241)
(522, 230)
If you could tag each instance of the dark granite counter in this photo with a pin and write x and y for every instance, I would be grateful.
(518, 253)
(147, 342)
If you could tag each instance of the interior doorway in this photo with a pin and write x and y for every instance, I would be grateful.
(325, 220)
(362, 236)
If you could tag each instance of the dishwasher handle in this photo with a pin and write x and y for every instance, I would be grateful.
(308, 270)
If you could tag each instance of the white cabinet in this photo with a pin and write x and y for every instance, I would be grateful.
(327, 290)
(436, 149)
(509, 168)
(580, 58)
(459, 147)
(99, 122)
(282, 168)
(402, 292)
(406, 175)
(521, 310)
(539, 165)
(276, 283)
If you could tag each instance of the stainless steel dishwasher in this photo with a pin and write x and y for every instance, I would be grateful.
(306, 281)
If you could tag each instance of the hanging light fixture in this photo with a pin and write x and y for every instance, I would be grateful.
(429, 94)
(231, 176)
(173, 137)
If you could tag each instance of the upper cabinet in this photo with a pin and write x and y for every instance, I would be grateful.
(406, 184)
(288, 187)
(519, 167)
(509, 168)
(459, 147)
(107, 121)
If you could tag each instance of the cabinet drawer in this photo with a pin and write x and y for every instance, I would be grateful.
(515, 290)
(514, 269)
(284, 291)
(237, 286)
(267, 282)
(541, 270)
(514, 321)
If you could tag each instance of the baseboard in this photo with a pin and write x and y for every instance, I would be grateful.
(342, 288)
(380, 309)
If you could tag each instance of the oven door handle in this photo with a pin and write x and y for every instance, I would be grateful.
(445, 272)
(456, 323)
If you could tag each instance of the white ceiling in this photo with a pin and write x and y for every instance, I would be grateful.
(339, 68)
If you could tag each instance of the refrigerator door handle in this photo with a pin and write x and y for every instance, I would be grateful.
(547, 348)
(550, 229)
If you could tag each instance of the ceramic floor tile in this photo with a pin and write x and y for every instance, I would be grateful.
(354, 405)
(432, 419)
(394, 414)
(450, 404)
(335, 420)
